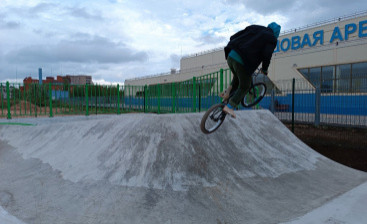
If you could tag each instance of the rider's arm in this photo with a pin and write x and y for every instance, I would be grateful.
(267, 54)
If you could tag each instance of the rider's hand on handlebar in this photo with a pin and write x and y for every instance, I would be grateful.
(263, 72)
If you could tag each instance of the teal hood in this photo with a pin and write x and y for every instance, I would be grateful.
(276, 28)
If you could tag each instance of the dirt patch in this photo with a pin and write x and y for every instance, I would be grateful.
(26, 108)
(347, 146)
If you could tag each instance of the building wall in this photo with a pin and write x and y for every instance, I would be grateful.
(285, 65)
(79, 79)
(315, 45)
(203, 61)
(3, 93)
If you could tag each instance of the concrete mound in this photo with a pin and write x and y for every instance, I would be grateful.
(147, 168)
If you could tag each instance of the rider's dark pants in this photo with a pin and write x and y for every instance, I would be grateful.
(241, 81)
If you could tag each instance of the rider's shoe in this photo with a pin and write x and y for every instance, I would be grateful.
(225, 94)
(229, 111)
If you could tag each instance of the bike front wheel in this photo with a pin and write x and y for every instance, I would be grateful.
(254, 95)
(213, 118)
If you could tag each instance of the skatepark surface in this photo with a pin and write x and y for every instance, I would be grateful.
(148, 168)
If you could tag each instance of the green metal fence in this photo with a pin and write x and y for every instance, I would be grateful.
(196, 94)
(193, 95)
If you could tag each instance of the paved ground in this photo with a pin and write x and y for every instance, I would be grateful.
(146, 168)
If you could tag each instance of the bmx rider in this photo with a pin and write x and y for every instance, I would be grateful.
(244, 53)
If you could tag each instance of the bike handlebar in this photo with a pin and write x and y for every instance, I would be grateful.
(258, 71)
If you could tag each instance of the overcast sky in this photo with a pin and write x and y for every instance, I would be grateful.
(114, 40)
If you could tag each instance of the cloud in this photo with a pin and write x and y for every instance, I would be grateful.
(83, 13)
(31, 11)
(94, 50)
(41, 8)
(6, 24)
(294, 14)
(9, 25)
(211, 39)
(175, 60)
(117, 39)
(265, 7)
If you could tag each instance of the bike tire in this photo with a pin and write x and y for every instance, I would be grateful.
(253, 97)
(215, 115)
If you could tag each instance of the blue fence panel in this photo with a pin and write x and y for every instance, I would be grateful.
(330, 104)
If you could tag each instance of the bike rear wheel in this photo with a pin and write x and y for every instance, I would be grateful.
(254, 95)
(213, 118)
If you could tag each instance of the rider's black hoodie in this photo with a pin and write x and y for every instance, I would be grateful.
(255, 44)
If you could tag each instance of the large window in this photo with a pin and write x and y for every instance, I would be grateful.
(338, 78)
(327, 79)
(305, 73)
(343, 78)
(359, 77)
(314, 76)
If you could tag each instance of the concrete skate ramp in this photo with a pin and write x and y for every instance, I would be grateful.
(147, 168)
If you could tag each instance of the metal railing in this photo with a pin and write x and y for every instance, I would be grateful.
(298, 101)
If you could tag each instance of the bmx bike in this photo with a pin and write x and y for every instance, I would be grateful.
(214, 116)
